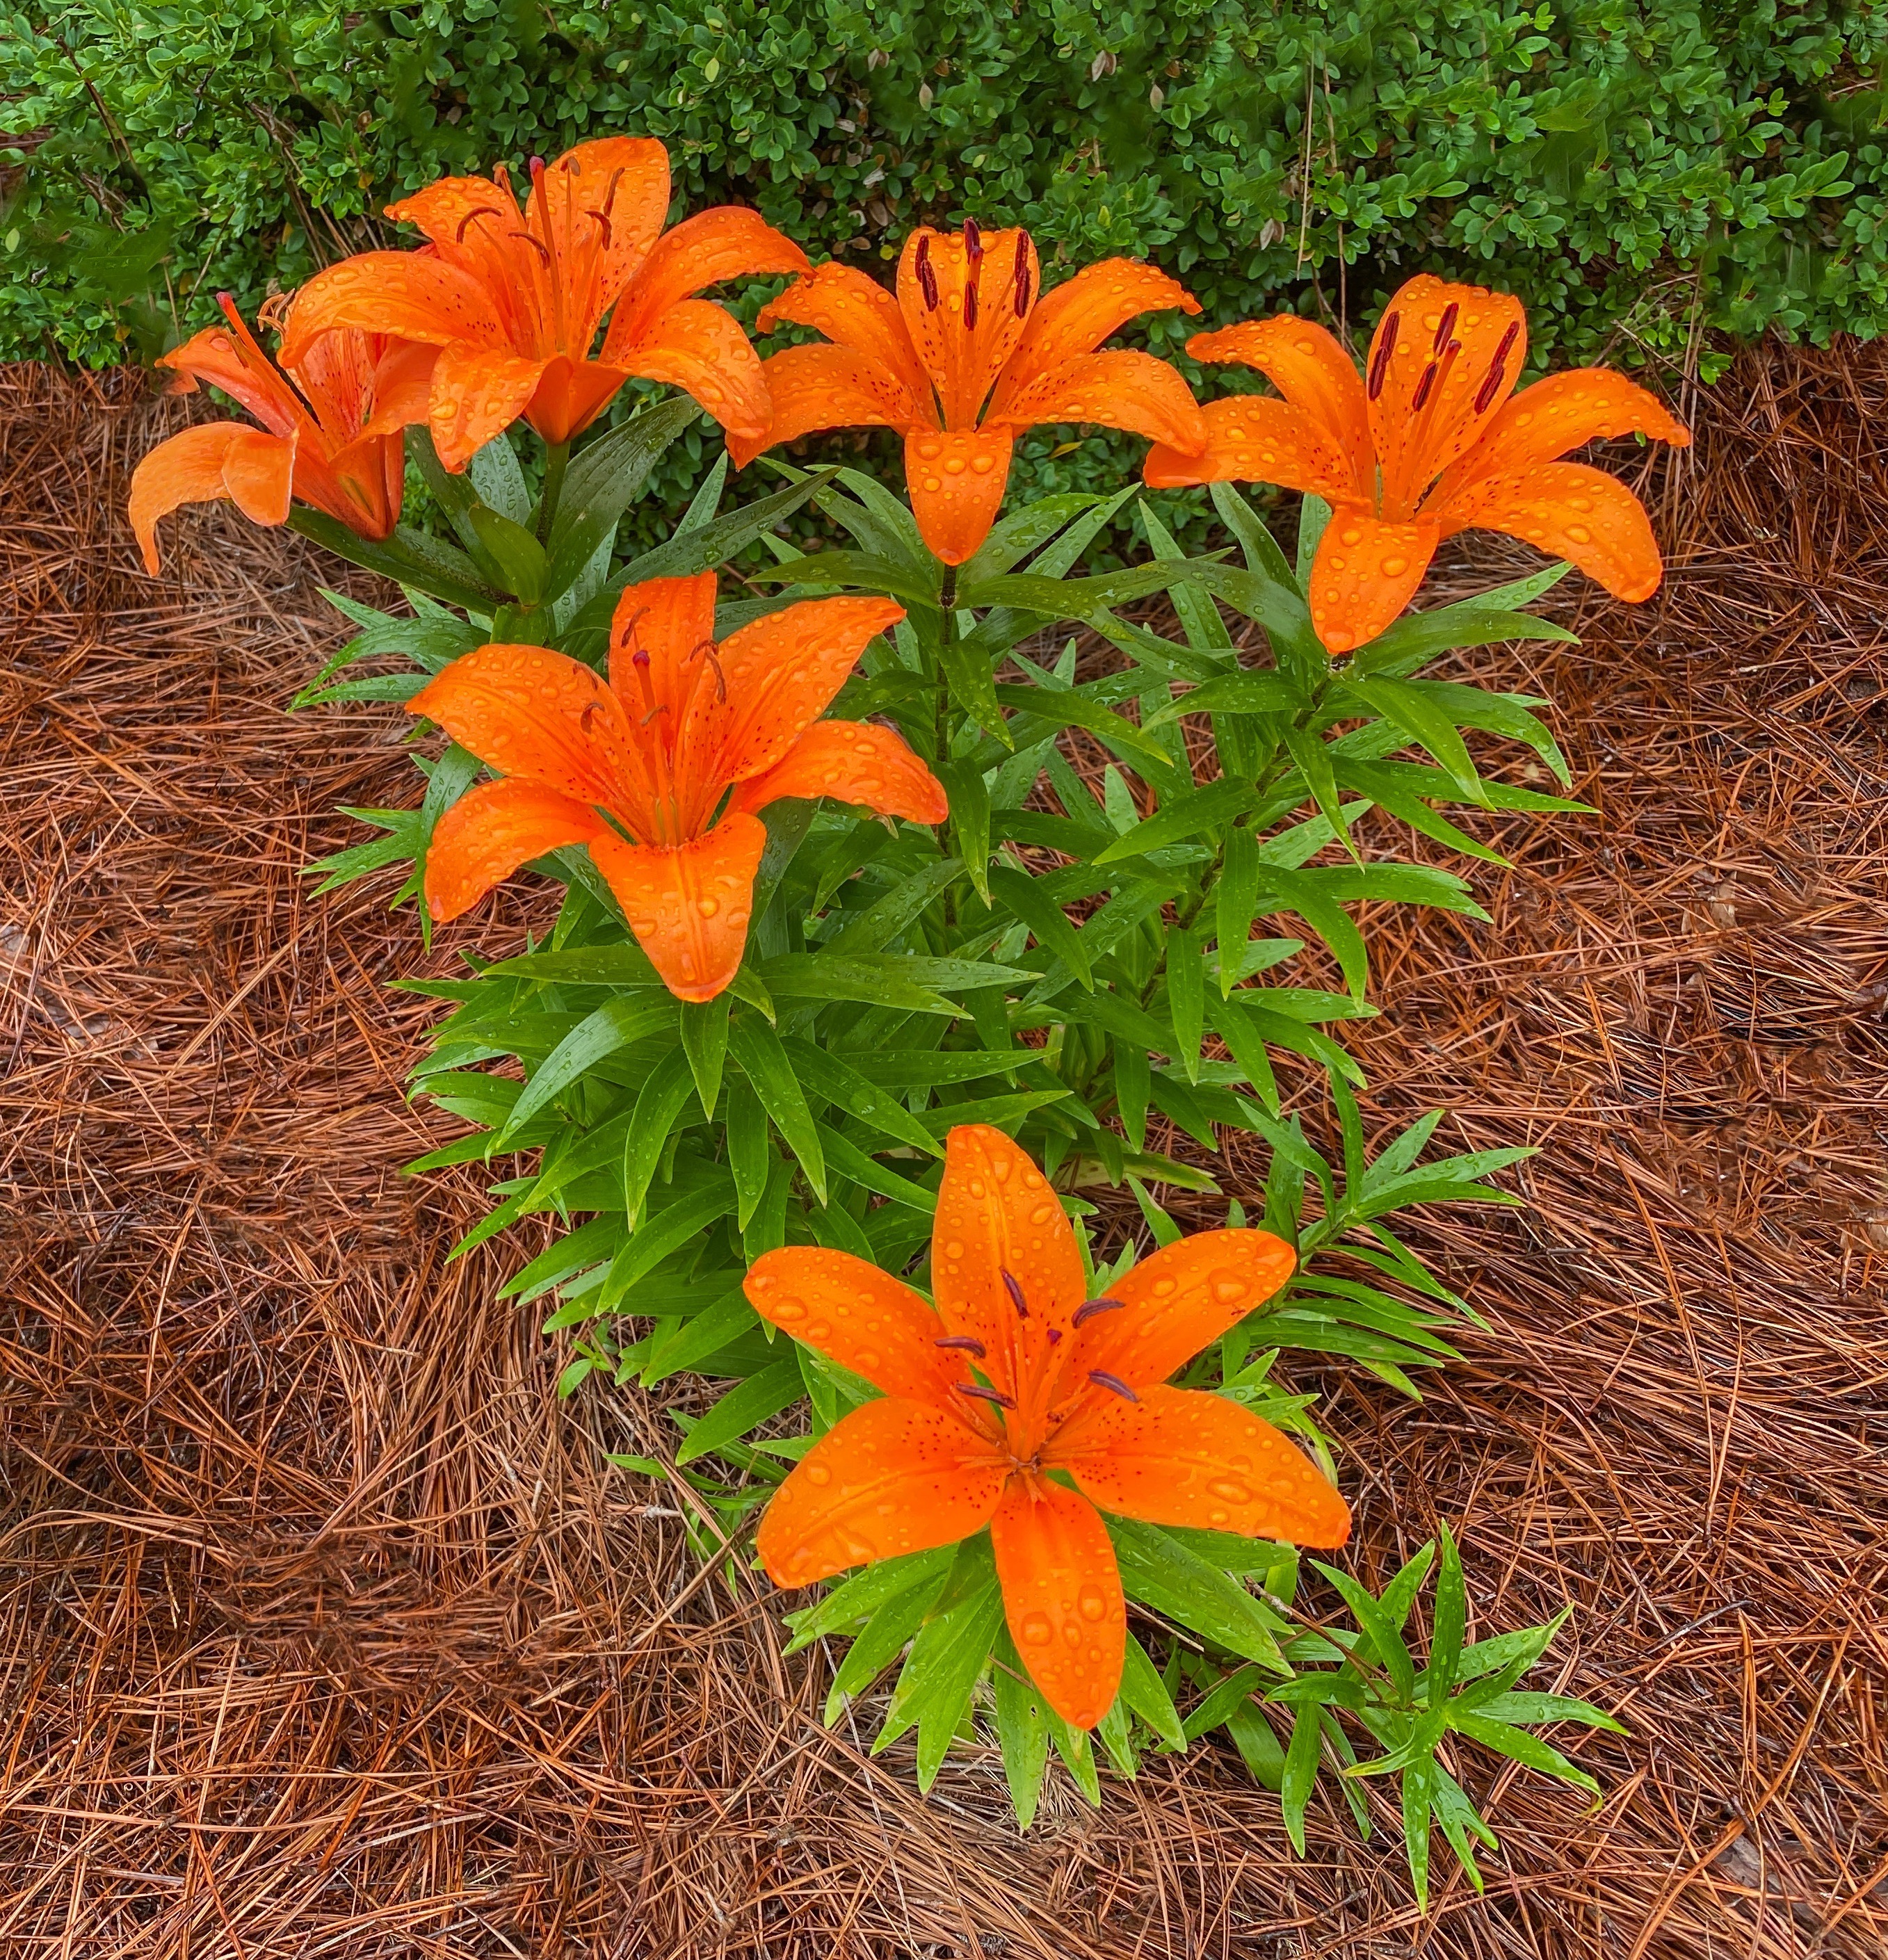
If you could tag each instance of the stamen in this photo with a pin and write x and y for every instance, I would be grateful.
(1433, 374)
(602, 219)
(1386, 347)
(985, 1394)
(970, 306)
(589, 714)
(1090, 1308)
(537, 171)
(1016, 1295)
(1485, 395)
(969, 1343)
(1113, 1384)
(972, 243)
(660, 707)
(537, 245)
(1447, 326)
(484, 211)
(1021, 275)
(721, 679)
(926, 276)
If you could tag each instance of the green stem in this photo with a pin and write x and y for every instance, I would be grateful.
(556, 460)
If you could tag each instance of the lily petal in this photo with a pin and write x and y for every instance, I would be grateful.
(403, 385)
(533, 714)
(890, 1478)
(193, 467)
(862, 317)
(406, 294)
(1075, 318)
(600, 207)
(570, 395)
(1572, 511)
(725, 242)
(228, 358)
(1426, 404)
(1179, 1456)
(861, 1318)
(1062, 1596)
(1177, 1302)
(998, 1215)
(670, 620)
(850, 762)
(956, 479)
(492, 829)
(811, 388)
(1365, 573)
(477, 392)
(1120, 389)
(963, 338)
(1310, 367)
(1256, 439)
(780, 675)
(1580, 406)
(699, 347)
(688, 904)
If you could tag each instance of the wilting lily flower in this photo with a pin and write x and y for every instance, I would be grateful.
(1015, 1380)
(638, 770)
(1426, 442)
(330, 439)
(514, 300)
(965, 358)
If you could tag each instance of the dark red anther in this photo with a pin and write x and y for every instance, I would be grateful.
(987, 1394)
(1090, 1308)
(537, 245)
(1013, 1286)
(970, 306)
(1427, 386)
(603, 218)
(1485, 395)
(1386, 347)
(1447, 326)
(1022, 278)
(1113, 1384)
(968, 1343)
(927, 275)
(972, 243)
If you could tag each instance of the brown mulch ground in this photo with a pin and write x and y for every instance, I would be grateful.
(324, 1629)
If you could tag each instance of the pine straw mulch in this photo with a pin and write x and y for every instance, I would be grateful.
(327, 1632)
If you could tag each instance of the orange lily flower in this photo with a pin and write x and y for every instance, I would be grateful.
(1062, 1384)
(653, 754)
(967, 329)
(1426, 444)
(513, 302)
(331, 439)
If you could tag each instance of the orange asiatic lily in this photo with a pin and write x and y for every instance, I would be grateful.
(514, 301)
(1016, 1383)
(331, 440)
(1427, 442)
(965, 330)
(653, 754)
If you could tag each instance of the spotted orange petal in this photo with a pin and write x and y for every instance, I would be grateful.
(404, 293)
(1580, 406)
(477, 392)
(850, 762)
(228, 358)
(811, 388)
(726, 243)
(1255, 439)
(670, 620)
(861, 1318)
(997, 1214)
(688, 904)
(862, 316)
(1365, 573)
(1075, 318)
(1179, 1456)
(955, 480)
(779, 675)
(1310, 367)
(1119, 388)
(1427, 403)
(531, 713)
(889, 1479)
(1573, 511)
(402, 388)
(569, 397)
(190, 468)
(1062, 1596)
(1175, 1303)
(965, 311)
(699, 347)
(600, 207)
(492, 830)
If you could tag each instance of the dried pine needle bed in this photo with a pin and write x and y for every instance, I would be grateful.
(324, 1629)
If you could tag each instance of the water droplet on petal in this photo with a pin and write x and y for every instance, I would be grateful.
(1035, 1630)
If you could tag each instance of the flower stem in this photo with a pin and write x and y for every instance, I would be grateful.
(556, 460)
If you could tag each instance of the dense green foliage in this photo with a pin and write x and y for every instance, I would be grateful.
(1638, 168)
